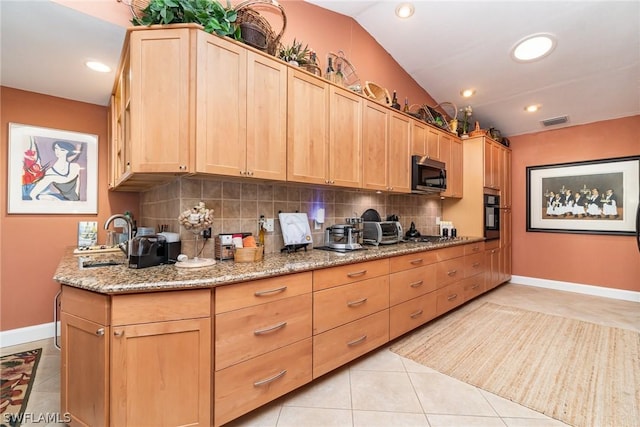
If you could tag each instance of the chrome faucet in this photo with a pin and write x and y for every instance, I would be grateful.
(125, 246)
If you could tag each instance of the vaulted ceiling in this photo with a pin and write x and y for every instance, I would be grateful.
(593, 74)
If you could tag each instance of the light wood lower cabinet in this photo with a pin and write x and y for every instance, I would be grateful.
(248, 385)
(147, 359)
(340, 345)
(124, 361)
(262, 342)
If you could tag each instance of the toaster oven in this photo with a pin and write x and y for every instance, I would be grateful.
(381, 233)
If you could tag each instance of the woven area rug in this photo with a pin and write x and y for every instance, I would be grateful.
(580, 373)
(17, 376)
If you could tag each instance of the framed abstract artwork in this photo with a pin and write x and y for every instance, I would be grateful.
(51, 171)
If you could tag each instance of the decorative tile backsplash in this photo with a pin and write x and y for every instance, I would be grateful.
(238, 205)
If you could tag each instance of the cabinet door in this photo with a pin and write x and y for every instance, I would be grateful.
(398, 153)
(161, 100)
(505, 186)
(345, 138)
(375, 126)
(266, 118)
(492, 265)
(492, 160)
(445, 156)
(84, 381)
(455, 171)
(154, 381)
(433, 143)
(120, 126)
(221, 112)
(419, 132)
(307, 128)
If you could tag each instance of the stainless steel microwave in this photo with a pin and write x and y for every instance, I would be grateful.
(427, 175)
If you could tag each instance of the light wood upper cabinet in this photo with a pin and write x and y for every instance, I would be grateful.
(425, 140)
(493, 164)
(386, 143)
(242, 104)
(375, 128)
(452, 147)
(345, 138)
(307, 128)
(398, 153)
(161, 107)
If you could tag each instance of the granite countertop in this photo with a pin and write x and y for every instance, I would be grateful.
(118, 279)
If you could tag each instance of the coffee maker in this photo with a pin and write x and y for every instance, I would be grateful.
(152, 250)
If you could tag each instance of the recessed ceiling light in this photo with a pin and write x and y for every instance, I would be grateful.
(404, 10)
(533, 47)
(532, 108)
(98, 66)
(466, 93)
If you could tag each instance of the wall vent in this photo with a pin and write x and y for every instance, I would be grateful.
(555, 121)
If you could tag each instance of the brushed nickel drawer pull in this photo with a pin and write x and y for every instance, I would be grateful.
(476, 248)
(357, 273)
(270, 291)
(270, 329)
(357, 341)
(270, 379)
(476, 286)
(452, 297)
(417, 284)
(417, 261)
(476, 265)
(417, 314)
(357, 302)
(100, 332)
(452, 272)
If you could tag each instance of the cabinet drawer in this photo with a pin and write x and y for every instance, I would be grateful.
(85, 304)
(160, 306)
(248, 385)
(329, 277)
(473, 286)
(491, 244)
(243, 334)
(342, 304)
(449, 271)
(241, 295)
(411, 314)
(474, 264)
(408, 284)
(474, 248)
(449, 253)
(338, 346)
(409, 261)
(449, 297)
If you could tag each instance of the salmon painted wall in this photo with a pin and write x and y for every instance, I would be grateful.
(589, 259)
(31, 245)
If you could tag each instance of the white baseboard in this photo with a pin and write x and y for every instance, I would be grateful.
(578, 288)
(27, 334)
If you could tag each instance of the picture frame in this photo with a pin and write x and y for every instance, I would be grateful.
(589, 197)
(51, 171)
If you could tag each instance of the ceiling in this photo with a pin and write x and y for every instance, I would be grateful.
(593, 74)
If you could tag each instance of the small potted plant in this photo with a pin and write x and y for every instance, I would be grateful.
(295, 54)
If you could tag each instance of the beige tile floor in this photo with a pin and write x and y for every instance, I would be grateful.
(384, 389)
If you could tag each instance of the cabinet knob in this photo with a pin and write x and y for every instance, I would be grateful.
(100, 332)
(118, 333)
(182, 167)
(332, 182)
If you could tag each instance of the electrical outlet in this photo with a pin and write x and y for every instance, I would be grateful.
(437, 220)
(269, 225)
(206, 233)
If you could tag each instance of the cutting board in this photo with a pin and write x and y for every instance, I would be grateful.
(295, 228)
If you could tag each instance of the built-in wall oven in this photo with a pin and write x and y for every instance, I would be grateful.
(491, 216)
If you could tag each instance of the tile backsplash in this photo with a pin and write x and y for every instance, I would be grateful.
(238, 205)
